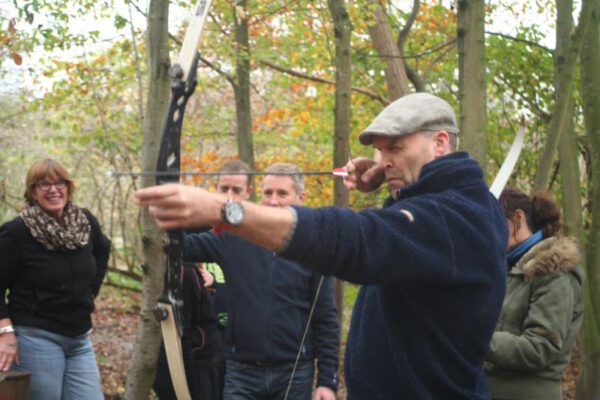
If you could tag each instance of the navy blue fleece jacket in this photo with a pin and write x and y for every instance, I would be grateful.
(269, 300)
(432, 266)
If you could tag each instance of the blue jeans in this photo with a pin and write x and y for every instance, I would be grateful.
(62, 367)
(268, 382)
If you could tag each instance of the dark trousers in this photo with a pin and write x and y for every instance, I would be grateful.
(267, 382)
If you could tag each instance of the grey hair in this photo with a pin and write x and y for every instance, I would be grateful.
(453, 138)
(290, 170)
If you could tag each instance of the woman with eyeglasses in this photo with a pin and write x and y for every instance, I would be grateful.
(543, 308)
(53, 258)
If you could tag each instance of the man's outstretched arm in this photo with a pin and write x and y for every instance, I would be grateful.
(176, 206)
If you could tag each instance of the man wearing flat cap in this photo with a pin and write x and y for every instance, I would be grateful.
(430, 261)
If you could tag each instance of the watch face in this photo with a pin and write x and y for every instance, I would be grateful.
(233, 213)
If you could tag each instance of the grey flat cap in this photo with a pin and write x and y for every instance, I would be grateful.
(410, 114)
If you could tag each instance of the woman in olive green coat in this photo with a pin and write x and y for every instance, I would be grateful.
(543, 307)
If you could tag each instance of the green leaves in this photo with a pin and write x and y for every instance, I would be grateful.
(120, 22)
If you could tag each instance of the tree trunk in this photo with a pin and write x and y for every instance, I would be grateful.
(242, 86)
(385, 45)
(140, 373)
(571, 180)
(589, 384)
(342, 111)
(472, 87)
(568, 154)
(564, 67)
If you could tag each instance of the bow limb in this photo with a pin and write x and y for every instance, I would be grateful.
(169, 310)
(509, 162)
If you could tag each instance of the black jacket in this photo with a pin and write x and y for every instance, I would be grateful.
(201, 344)
(51, 290)
(269, 300)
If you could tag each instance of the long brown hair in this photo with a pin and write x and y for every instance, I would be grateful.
(541, 211)
(47, 168)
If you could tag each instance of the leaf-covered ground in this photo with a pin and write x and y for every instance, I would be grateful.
(115, 322)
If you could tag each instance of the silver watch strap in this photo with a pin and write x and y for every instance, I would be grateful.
(7, 329)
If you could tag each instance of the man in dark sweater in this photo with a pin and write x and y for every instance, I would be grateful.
(269, 301)
(431, 261)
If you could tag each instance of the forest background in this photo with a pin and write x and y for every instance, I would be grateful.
(293, 81)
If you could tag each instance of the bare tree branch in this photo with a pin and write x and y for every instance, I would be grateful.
(218, 70)
(411, 73)
(367, 92)
(532, 103)
(436, 60)
(529, 42)
(415, 78)
(137, 7)
(408, 25)
(273, 12)
(430, 50)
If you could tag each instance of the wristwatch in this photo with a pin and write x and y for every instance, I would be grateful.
(232, 212)
(7, 329)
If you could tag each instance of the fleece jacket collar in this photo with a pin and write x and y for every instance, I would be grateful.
(439, 175)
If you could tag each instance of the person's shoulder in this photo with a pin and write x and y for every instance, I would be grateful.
(15, 228)
(88, 214)
(551, 257)
(15, 224)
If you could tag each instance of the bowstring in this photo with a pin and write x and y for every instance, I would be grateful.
(304, 335)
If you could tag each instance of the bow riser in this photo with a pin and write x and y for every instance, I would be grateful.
(169, 161)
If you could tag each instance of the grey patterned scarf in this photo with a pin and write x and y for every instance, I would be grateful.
(71, 232)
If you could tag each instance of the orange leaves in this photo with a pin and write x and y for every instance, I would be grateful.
(11, 27)
(270, 117)
(201, 163)
(9, 40)
(17, 58)
(435, 17)
(101, 59)
(209, 161)
(304, 116)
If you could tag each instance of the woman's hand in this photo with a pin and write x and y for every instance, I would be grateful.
(9, 351)
(207, 277)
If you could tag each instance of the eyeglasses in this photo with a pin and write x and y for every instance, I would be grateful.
(45, 186)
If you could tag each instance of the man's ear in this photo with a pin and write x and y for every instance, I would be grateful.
(441, 143)
(302, 197)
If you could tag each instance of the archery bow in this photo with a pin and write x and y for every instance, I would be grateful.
(169, 308)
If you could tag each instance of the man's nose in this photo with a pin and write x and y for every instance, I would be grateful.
(274, 200)
(385, 161)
